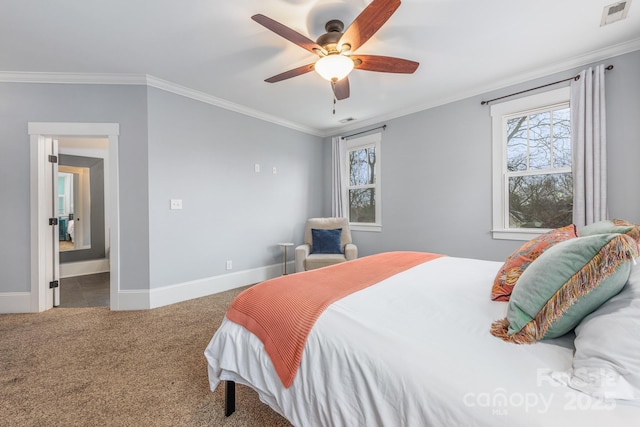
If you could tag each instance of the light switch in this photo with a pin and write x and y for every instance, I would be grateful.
(176, 204)
(256, 167)
(275, 170)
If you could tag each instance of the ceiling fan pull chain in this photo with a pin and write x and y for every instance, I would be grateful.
(333, 89)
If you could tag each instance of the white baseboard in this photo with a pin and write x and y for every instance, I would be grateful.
(15, 302)
(145, 299)
(80, 268)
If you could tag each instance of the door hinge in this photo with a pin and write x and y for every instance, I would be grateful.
(53, 284)
(53, 159)
(53, 221)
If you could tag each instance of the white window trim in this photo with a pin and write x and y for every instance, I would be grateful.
(374, 140)
(499, 159)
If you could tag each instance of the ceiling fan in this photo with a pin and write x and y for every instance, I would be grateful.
(336, 48)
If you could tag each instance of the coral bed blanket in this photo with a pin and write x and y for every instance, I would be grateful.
(282, 311)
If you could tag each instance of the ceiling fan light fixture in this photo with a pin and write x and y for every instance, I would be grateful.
(334, 67)
(335, 47)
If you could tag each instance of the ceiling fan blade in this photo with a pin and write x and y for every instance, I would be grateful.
(289, 34)
(368, 22)
(341, 88)
(291, 73)
(384, 64)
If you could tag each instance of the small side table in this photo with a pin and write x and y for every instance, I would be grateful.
(285, 246)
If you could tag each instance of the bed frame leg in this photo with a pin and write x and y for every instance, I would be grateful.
(229, 398)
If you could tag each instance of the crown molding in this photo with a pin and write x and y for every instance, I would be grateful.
(149, 81)
(227, 105)
(71, 78)
(568, 64)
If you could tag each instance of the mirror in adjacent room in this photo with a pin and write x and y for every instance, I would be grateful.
(74, 207)
(81, 208)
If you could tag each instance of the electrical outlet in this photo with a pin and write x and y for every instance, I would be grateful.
(176, 204)
(229, 265)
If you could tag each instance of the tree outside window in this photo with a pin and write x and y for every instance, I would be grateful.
(532, 161)
(362, 192)
(539, 180)
(363, 186)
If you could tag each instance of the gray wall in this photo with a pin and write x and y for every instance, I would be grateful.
(23, 103)
(205, 156)
(436, 169)
(169, 147)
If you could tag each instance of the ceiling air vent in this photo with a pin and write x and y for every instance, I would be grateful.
(615, 12)
(347, 120)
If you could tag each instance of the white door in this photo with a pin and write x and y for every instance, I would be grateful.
(52, 246)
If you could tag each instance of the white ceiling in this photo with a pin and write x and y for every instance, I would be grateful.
(213, 51)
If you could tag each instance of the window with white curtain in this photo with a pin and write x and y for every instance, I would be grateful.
(532, 178)
(363, 182)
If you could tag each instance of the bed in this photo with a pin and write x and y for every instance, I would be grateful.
(415, 350)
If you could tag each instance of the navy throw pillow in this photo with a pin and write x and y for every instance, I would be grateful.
(326, 241)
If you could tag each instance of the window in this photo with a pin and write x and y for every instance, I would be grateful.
(363, 182)
(532, 179)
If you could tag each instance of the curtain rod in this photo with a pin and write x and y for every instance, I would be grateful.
(383, 127)
(576, 78)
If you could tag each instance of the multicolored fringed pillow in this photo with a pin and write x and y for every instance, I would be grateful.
(611, 226)
(522, 257)
(566, 283)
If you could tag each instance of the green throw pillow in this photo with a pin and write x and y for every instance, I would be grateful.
(566, 283)
(611, 226)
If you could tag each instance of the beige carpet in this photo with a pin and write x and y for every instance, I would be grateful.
(92, 366)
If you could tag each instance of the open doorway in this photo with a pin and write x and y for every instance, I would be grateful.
(79, 140)
(83, 221)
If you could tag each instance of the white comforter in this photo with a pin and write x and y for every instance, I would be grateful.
(415, 350)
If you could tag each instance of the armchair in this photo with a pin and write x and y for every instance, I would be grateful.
(307, 259)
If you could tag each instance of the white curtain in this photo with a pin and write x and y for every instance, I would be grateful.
(338, 183)
(589, 139)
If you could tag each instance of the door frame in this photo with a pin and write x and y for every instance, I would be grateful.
(41, 296)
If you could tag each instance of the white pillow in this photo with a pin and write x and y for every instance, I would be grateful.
(606, 363)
